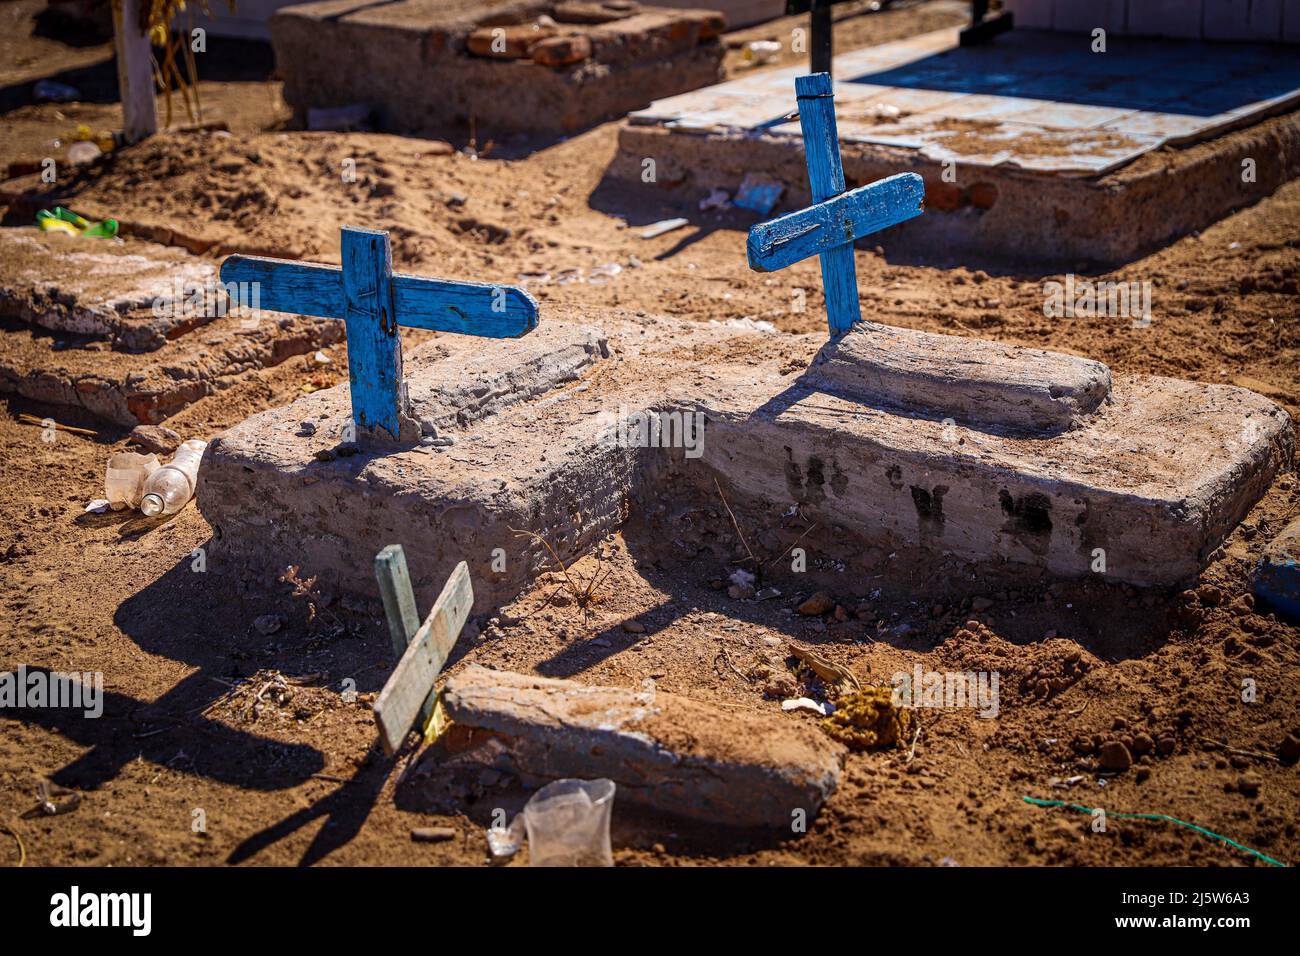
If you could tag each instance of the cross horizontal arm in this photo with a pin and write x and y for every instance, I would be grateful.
(783, 241)
(467, 308)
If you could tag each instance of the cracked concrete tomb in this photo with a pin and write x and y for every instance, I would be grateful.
(132, 331)
(497, 66)
(954, 447)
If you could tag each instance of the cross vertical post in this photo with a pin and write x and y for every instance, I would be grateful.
(374, 347)
(821, 146)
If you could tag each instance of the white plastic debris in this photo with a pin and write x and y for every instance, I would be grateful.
(662, 226)
(169, 489)
(761, 51)
(820, 708)
(717, 199)
(98, 506)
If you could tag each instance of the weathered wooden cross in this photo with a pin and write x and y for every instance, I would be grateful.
(408, 698)
(374, 302)
(838, 218)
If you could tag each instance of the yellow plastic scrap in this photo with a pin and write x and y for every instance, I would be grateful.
(869, 719)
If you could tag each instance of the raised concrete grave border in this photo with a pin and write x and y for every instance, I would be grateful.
(1155, 476)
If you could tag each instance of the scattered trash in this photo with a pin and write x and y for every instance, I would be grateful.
(742, 578)
(65, 220)
(170, 488)
(46, 805)
(758, 52)
(84, 152)
(355, 116)
(1066, 781)
(51, 91)
(98, 506)
(320, 358)
(103, 139)
(155, 438)
(759, 193)
(268, 624)
(603, 273)
(820, 708)
(884, 112)
(124, 478)
(433, 834)
(717, 199)
(662, 226)
(566, 823)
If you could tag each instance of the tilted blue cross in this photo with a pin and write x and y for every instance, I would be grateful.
(829, 227)
(373, 302)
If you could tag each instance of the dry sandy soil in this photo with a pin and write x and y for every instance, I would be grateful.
(297, 777)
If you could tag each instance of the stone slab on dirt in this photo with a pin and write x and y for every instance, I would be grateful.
(969, 380)
(1146, 487)
(145, 389)
(666, 752)
(106, 288)
(498, 67)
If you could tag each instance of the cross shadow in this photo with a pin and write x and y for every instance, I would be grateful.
(345, 809)
(204, 620)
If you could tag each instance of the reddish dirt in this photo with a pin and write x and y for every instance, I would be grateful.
(297, 777)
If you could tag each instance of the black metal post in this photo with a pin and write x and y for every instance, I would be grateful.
(820, 53)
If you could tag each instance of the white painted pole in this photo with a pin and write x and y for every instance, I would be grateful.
(134, 72)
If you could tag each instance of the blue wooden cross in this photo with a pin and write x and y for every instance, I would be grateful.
(373, 302)
(829, 227)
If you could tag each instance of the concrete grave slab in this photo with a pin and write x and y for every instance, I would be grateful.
(68, 301)
(533, 66)
(1154, 472)
(1069, 145)
(106, 288)
(667, 753)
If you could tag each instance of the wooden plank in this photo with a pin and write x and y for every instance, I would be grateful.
(466, 308)
(409, 696)
(399, 598)
(374, 347)
(844, 218)
(283, 285)
(826, 177)
(134, 73)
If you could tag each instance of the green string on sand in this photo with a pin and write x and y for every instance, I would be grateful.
(1154, 816)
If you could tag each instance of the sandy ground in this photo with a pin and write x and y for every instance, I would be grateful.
(297, 776)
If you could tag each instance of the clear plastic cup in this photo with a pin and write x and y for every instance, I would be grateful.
(124, 478)
(568, 823)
